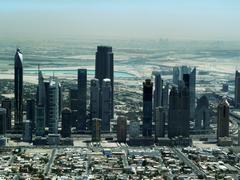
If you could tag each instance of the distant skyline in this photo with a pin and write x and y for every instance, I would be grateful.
(143, 19)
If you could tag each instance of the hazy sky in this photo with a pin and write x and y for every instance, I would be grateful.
(176, 19)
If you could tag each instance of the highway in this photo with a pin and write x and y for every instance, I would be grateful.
(49, 165)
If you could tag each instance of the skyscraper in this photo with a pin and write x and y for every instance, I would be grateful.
(7, 104)
(53, 106)
(223, 119)
(73, 94)
(165, 97)
(160, 122)
(82, 95)
(94, 98)
(106, 95)
(104, 68)
(41, 93)
(179, 112)
(40, 120)
(66, 122)
(202, 114)
(96, 129)
(176, 75)
(30, 115)
(27, 133)
(147, 107)
(18, 89)
(158, 89)
(121, 129)
(3, 121)
(237, 89)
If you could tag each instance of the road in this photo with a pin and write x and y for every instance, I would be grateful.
(49, 165)
(189, 163)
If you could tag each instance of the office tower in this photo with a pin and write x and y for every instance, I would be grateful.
(60, 101)
(66, 122)
(41, 93)
(40, 120)
(160, 122)
(179, 112)
(158, 89)
(27, 133)
(53, 106)
(82, 96)
(31, 112)
(73, 94)
(3, 114)
(18, 89)
(94, 98)
(104, 68)
(134, 129)
(147, 107)
(7, 104)
(165, 96)
(106, 94)
(96, 129)
(190, 82)
(223, 119)
(121, 129)
(176, 75)
(46, 85)
(237, 89)
(202, 114)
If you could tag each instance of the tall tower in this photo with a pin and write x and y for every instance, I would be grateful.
(94, 98)
(179, 112)
(7, 104)
(104, 68)
(202, 119)
(82, 96)
(147, 107)
(96, 129)
(237, 89)
(106, 105)
(160, 122)
(3, 121)
(53, 106)
(223, 119)
(18, 89)
(31, 112)
(121, 129)
(158, 90)
(66, 122)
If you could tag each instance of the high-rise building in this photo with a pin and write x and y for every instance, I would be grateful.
(121, 129)
(237, 89)
(147, 107)
(40, 120)
(104, 68)
(94, 98)
(106, 105)
(7, 104)
(18, 89)
(165, 96)
(134, 130)
(96, 129)
(27, 133)
(73, 94)
(3, 113)
(161, 116)
(82, 95)
(41, 91)
(223, 119)
(179, 112)
(53, 106)
(46, 84)
(176, 75)
(66, 122)
(30, 115)
(202, 119)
